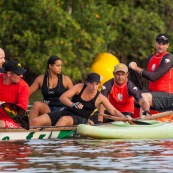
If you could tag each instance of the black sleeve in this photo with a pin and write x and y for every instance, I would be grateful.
(165, 65)
(107, 87)
(134, 91)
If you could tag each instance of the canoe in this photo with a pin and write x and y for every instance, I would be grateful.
(37, 133)
(122, 130)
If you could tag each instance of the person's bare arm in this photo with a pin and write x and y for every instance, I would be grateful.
(101, 109)
(145, 107)
(65, 98)
(36, 84)
(67, 82)
(113, 111)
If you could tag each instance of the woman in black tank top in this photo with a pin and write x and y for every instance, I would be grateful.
(52, 84)
(81, 101)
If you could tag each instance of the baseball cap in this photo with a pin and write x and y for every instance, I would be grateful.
(13, 66)
(121, 67)
(163, 38)
(93, 77)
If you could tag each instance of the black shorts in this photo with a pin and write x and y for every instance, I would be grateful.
(55, 116)
(162, 100)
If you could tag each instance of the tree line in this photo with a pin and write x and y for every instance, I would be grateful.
(78, 30)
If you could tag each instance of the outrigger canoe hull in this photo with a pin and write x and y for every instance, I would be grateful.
(122, 130)
(37, 133)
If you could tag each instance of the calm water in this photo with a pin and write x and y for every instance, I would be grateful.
(86, 155)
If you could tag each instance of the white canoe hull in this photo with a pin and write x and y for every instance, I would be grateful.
(121, 130)
(37, 133)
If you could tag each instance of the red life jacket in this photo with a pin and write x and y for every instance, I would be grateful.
(120, 98)
(165, 83)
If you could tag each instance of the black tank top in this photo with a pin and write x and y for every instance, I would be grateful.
(51, 96)
(88, 108)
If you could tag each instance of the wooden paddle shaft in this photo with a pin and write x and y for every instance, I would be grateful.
(113, 117)
(158, 115)
(152, 117)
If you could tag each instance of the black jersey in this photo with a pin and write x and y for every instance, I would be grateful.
(88, 108)
(51, 96)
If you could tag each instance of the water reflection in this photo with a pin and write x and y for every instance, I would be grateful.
(86, 155)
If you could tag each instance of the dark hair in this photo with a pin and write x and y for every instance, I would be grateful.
(52, 60)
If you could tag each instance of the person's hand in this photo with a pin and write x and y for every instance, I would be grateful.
(145, 114)
(77, 105)
(129, 117)
(132, 65)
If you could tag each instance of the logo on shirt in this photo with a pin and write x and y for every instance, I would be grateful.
(120, 96)
(167, 60)
(46, 101)
(153, 67)
(135, 88)
(103, 87)
(50, 92)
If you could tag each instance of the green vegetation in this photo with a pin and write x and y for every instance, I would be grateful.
(78, 30)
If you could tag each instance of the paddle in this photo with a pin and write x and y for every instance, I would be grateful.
(158, 115)
(133, 121)
(136, 120)
(16, 113)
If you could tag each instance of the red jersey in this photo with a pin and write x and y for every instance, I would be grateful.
(122, 98)
(14, 93)
(165, 82)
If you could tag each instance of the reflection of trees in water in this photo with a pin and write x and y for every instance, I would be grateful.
(80, 154)
(14, 152)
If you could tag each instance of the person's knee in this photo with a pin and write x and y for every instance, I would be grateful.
(34, 122)
(37, 105)
(65, 121)
(2, 123)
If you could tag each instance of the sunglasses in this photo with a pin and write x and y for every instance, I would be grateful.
(17, 74)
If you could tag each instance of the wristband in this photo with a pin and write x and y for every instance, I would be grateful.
(75, 105)
(146, 112)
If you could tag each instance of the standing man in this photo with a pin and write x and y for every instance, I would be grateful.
(81, 101)
(13, 89)
(2, 57)
(159, 74)
(121, 93)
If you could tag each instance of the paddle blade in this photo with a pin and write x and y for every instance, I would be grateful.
(16, 113)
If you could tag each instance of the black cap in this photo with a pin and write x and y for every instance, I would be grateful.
(93, 77)
(163, 38)
(13, 66)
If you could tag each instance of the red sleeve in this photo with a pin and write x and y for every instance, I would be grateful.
(23, 95)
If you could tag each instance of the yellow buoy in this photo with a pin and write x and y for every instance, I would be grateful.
(104, 64)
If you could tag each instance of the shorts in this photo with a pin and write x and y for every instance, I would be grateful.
(55, 116)
(162, 100)
(56, 108)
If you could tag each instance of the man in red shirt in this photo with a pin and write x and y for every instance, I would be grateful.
(121, 92)
(159, 74)
(13, 89)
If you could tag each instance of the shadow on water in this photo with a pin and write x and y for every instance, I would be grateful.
(86, 155)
